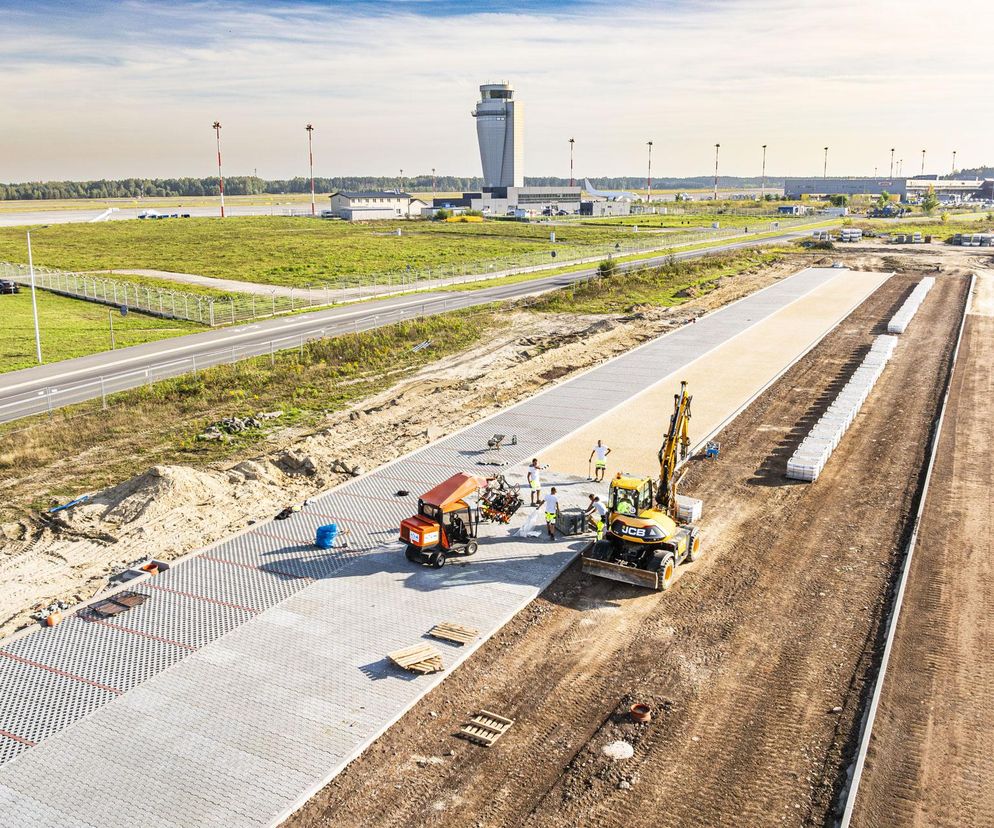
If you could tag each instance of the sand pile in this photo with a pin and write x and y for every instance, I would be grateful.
(148, 498)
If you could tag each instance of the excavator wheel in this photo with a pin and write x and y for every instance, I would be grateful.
(667, 572)
(471, 548)
(695, 552)
(602, 551)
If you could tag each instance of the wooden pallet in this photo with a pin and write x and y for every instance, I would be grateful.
(449, 631)
(485, 728)
(421, 658)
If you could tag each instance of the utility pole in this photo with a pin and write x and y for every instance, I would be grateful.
(824, 172)
(954, 163)
(310, 155)
(402, 180)
(220, 175)
(923, 162)
(762, 191)
(571, 162)
(34, 301)
(648, 179)
(716, 148)
(891, 162)
(433, 181)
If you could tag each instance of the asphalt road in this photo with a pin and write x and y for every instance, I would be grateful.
(47, 387)
(28, 218)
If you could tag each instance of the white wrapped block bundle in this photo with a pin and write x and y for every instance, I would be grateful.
(899, 322)
(813, 453)
(801, 468)
(689, 509)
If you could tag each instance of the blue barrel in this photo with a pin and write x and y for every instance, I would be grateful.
(326, 535)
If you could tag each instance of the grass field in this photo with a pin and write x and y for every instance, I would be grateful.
(296, 251)
(929, 225)
(72, 328)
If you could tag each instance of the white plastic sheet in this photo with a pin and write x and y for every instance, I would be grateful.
(533, 525)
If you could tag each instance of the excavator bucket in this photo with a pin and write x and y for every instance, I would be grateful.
(626, 574)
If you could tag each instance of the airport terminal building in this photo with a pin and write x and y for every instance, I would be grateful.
(909, 189)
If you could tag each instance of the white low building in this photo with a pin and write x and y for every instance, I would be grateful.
(369, 205)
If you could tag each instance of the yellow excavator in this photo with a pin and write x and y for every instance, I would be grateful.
(646, 540)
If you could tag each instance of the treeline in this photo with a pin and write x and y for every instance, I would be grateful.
(252, 185)
(233, 185)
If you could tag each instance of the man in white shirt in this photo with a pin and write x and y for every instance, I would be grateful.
(535, 482)
(551, 512)
(595, 513)
(600, 452)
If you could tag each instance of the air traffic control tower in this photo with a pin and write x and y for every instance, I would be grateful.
(500, 129)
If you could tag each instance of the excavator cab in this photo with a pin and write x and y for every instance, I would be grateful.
(446, 524)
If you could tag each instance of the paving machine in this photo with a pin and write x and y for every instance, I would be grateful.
(646, 540)
(445, 524)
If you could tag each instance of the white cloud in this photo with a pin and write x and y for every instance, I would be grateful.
(133, 89)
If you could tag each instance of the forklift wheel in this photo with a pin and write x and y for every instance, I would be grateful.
(471, 548)
(439, 560)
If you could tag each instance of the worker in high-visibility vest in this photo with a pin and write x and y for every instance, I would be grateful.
(601, 452)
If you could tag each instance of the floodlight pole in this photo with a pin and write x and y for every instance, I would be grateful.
(648, 178)
(571, 141)
(891, 162)
(923, 162)
(824, 172)
(34, 301)
(310, 154)
(220, 175)
(716, 148)
(433, 190)
(402, 180)
(762, 192)
(954, 163)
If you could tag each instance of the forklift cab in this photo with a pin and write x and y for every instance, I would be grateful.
(445, 524)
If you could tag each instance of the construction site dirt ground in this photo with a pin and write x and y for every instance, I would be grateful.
(755, 665)
(931, 754)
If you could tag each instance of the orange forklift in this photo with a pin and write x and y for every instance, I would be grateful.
(445, 524)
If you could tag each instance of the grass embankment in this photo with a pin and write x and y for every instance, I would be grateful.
(299, 251)
(72, 328)
(159, 423)
(665, 285)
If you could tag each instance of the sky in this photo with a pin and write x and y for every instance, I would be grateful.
(100, 89)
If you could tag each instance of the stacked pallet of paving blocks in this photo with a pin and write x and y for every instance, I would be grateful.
(850, 234)
(812, 454)
(899, 323)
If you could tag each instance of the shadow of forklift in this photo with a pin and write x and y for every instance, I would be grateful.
(445, 525)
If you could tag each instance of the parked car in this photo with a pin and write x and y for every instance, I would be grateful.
(7, 286)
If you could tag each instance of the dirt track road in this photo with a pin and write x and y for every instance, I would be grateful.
(754, 664)
(931, 756)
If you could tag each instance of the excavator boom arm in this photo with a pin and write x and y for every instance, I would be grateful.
(675, 448)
